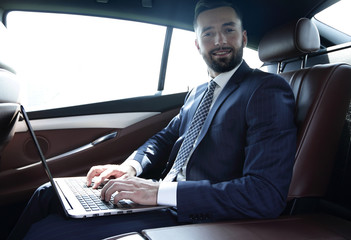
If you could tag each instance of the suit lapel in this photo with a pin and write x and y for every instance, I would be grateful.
(231, 86)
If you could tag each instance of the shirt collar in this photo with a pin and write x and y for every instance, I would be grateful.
(223, 78)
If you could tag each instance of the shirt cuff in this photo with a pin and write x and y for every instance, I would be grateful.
(135, 164)
(167, 194)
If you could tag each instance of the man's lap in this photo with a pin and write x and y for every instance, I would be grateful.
(45, 217)
(56, 226)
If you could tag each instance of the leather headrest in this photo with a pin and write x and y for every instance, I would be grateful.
(5, 49)
(290, 41)
(9, 87)
(9, 84)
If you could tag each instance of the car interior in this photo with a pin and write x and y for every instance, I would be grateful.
(313, 57)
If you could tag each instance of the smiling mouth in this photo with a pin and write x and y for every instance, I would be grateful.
(221, 52)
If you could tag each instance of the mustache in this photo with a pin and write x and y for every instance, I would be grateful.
(221, 49)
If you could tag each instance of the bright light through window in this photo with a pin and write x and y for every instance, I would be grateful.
(67, 60)
(337, 16)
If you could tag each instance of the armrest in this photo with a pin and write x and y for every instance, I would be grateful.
(85, 147)
(296, 227)
(127, 236)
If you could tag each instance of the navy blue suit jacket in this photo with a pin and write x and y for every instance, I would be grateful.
(242, 164)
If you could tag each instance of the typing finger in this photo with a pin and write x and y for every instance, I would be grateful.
(93, 172)
(113, 187)
(104, 189)
(102, 177)
(124, 195)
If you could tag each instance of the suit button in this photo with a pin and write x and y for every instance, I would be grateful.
(194, 217)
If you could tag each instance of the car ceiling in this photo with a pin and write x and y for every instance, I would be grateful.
(259, 15)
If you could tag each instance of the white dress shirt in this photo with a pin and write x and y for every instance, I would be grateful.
(167, 192)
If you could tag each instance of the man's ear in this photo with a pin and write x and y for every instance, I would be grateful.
(197, 45)
(244, 38)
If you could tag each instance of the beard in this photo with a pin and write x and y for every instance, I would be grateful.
(224, 64)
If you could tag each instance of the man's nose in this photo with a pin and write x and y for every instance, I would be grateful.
(220, 39)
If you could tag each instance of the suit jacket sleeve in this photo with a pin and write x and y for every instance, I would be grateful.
(269, 156)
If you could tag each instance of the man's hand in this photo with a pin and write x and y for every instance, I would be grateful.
(138, 190)
(103, 172)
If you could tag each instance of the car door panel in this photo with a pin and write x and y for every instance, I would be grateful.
(58, 136)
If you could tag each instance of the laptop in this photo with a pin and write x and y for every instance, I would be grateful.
(79, 200)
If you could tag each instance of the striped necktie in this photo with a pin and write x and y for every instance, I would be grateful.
(193, 132)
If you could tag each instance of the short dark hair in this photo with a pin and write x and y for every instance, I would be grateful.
(204, 5)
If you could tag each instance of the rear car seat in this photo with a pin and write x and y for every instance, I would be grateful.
(322, 95)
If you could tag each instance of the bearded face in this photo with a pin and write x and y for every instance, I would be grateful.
(220, 39)
(223, 59)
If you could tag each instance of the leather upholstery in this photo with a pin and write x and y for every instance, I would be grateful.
(287, 228)
(9, 114)
(9, 95)
(9, 86)
(322, 96)
(6, 53)
(293, 40)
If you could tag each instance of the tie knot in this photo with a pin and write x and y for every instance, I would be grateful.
(212, 85)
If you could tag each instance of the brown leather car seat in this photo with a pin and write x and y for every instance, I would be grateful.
(9, 93)
(322, 95)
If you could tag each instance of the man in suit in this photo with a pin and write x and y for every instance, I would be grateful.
(238, 164)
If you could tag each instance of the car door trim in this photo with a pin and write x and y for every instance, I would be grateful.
(113, 120)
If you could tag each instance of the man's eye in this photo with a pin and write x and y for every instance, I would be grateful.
(208, 34)
(230, 30)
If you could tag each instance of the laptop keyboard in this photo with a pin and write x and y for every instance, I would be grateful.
(90, 198)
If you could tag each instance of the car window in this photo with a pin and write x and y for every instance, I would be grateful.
(185, 69)
(66, 60)
(337, 16)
